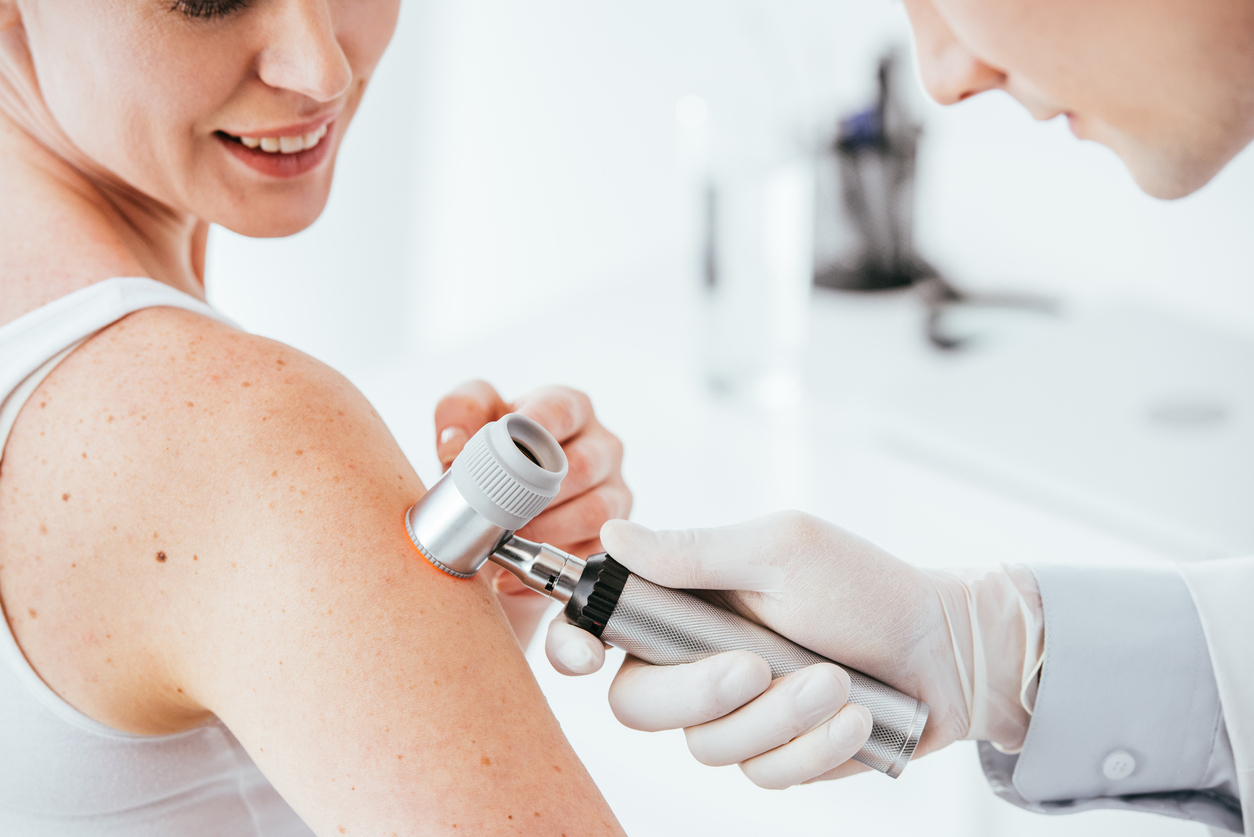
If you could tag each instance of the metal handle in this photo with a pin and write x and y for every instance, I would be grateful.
(667, 627)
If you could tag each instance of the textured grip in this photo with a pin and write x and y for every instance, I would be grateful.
(667, 627)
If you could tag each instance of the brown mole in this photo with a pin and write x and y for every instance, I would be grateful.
(161, 557)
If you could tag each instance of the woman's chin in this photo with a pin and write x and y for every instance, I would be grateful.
(274, 217)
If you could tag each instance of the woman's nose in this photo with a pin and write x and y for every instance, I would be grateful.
(305, 56)
(949, 71)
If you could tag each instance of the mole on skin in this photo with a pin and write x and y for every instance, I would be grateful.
(161, 557)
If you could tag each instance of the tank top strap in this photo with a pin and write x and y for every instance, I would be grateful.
(29, 341)
(32, 345)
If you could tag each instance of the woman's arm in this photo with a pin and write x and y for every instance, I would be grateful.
(197, 521)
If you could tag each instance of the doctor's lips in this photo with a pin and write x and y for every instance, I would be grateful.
(285, 152)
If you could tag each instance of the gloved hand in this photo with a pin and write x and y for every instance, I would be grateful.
(592, 493)
(968, 643)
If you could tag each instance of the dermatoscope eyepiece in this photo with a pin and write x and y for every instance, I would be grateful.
(507, 474)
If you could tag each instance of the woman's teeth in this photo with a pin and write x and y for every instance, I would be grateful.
(285, 145)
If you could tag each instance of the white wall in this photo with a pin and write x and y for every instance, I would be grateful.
(552, 148)
(512, 152)
(553, 135)
(1007, 201)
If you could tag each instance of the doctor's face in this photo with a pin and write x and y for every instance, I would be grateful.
(1168, 85)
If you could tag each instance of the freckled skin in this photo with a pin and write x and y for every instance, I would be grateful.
(309, 627)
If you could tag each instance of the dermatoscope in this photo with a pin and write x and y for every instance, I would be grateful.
(507, 474)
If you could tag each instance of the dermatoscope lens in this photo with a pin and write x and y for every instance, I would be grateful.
(527, 452)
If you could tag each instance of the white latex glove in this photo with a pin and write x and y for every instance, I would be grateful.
(968, 643)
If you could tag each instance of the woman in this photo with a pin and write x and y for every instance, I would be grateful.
(215, 621)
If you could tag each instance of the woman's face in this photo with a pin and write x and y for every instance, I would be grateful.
(231, 110)
(1168, 85)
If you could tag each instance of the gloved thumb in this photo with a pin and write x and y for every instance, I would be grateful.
(725, 558)
(573, 651)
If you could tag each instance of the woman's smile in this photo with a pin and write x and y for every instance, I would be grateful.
(283, 153)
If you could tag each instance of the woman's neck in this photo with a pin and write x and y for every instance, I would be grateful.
(62, 228)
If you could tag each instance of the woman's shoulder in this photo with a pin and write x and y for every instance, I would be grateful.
(137, 465)
(170, 374)
(203, 521)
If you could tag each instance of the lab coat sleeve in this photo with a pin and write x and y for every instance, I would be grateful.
(1127, 713)
(1224, 594)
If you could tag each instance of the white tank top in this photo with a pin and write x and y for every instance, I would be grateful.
(61, 773)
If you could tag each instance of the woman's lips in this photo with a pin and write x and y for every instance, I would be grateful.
(281, 156)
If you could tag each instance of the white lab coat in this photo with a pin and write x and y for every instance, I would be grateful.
(1224, 594)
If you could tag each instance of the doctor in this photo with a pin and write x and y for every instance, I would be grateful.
(1086, 687)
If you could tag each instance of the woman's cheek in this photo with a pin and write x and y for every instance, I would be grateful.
(365, 29)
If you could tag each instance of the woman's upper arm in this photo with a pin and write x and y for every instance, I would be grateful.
(264, 574)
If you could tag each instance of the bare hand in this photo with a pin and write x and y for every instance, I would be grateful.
(592, 493)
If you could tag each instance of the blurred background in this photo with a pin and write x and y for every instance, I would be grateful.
(1010, 354)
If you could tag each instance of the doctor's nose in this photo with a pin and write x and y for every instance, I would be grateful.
(949, 71)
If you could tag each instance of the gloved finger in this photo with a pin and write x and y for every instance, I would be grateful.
(562, 411)
(573, 651)
(791, 707)
(594, 457)
(814, 753)
(849, 768)
(653, 698)
(726, 558)
(580, 519)
(461, 413)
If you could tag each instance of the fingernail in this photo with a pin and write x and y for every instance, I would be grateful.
(452, 441)
(508, 584)
(576, 656)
